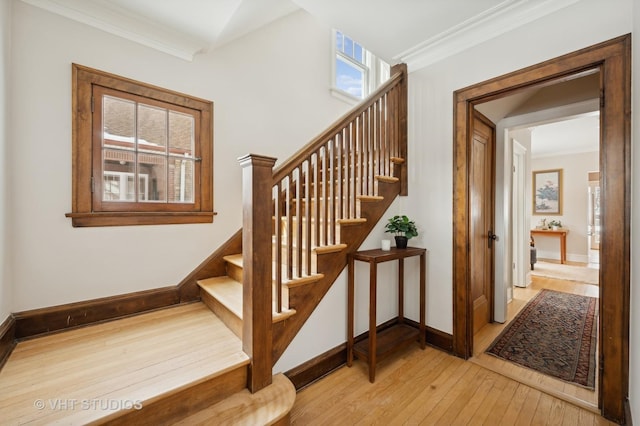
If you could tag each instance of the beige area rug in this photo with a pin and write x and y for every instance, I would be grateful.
(566, 272)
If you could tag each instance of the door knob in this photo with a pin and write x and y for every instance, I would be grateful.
(492, 237)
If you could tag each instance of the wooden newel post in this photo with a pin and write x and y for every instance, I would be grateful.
(257, 184)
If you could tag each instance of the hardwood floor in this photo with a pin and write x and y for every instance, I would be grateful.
(432, 387)
(90, 373)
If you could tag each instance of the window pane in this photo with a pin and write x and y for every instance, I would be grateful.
(349, 78)
(181, 177)
(118, 123)
(339, 41)
(154, 167)
(181, 134)
(358, 53)
(348, 46)
(116, 171)
(152, 129)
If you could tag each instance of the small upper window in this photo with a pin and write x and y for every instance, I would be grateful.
(143, 155)
(357, 72)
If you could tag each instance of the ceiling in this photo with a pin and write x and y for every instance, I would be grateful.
(416, 32)
(423, 31)
(572, 136)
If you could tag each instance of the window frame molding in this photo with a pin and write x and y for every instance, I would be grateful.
(83, 182)
(371, 66)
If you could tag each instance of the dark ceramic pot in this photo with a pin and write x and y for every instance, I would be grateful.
(401, 242)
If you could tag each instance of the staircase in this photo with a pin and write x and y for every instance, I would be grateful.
(301, 221)
(210, 353)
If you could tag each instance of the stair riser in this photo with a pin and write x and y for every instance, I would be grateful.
(171, 408)
(229, 318)
(234, 272)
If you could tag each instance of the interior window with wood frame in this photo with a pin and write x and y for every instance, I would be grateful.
(142, 155)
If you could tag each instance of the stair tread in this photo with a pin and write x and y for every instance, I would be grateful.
(143, 358)
(266, 406)
(370, 198)
(236, 259)
(389, 179)
(229, 292)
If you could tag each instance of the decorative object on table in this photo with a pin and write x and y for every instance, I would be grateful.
(555, 224)
(386, 245)
(403, 228)
(554, 334)
(547, 192)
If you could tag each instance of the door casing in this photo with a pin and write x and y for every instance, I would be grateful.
(613, 59)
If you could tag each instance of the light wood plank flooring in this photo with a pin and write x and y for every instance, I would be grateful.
(54, 379)
(431, 387)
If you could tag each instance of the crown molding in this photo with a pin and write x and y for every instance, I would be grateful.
(118, 22)
(495, 21)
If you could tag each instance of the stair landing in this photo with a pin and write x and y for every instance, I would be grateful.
(113, 371)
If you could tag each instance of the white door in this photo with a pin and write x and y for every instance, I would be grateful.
(520, 243)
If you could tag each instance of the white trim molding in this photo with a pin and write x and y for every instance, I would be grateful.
(493, 22)
(118, 22)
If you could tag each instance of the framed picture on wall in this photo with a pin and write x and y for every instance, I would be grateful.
(547, 192)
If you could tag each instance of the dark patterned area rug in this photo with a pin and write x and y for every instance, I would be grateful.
(554, 334)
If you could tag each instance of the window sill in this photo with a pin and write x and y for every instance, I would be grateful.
(138, 218)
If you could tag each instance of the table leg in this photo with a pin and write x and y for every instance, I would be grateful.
(350, 312)
(423, 294)
(373, 279)
(563, 248)
(401, 290)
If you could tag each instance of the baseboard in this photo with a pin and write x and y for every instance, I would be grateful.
(435, 337)
(57, 318)
(7, 338)
(318, 367)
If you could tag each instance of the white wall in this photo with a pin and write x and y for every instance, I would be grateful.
(431, 115)
(54, 263)
(270, 93)
(5, 61)
(574, 217)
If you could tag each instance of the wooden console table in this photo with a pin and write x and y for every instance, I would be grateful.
(560, 233)
(379, 345)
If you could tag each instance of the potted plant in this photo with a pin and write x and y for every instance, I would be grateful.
(403, 228)
(555, 224)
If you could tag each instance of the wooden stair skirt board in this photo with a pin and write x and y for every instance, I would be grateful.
(154, 368)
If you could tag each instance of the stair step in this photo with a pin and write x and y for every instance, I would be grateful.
(169, 363)
(370, 198)
(350, 222)
(267, 406)
(388, 179)
(223, 295)
(236, 261)
(330, 249)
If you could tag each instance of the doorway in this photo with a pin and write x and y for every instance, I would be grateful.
(613, 60)
(553, 135)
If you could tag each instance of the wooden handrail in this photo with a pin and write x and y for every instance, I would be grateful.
(285, 168)
(319, 187)
(299, 207)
